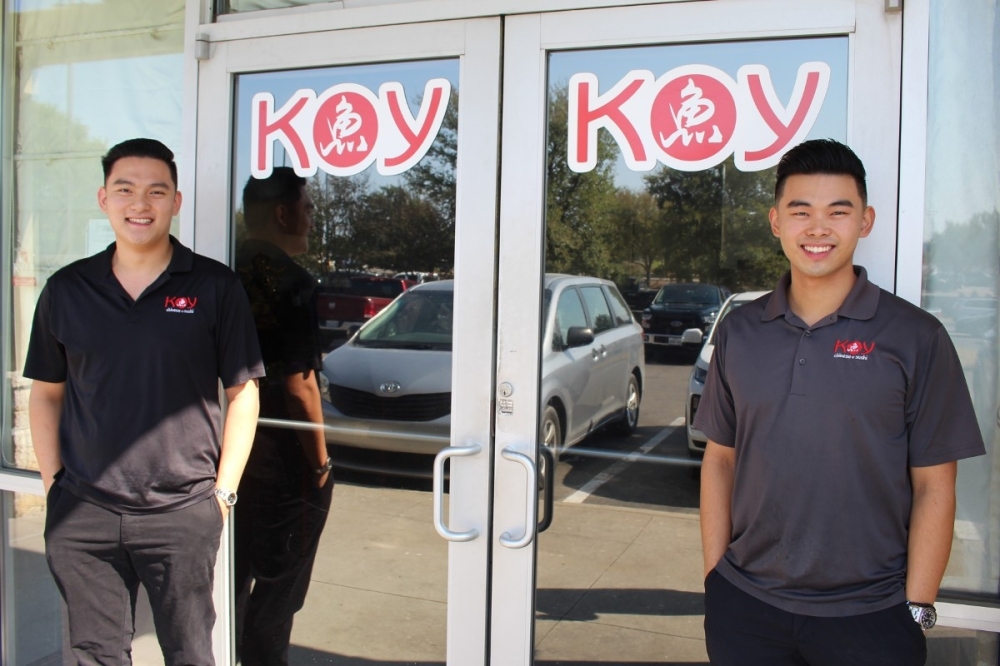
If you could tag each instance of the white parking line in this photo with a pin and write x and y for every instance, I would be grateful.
(588, 488)
(678, 422)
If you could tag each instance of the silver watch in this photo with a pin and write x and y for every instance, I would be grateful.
(327, 466)
(227, 496)
(923, 614)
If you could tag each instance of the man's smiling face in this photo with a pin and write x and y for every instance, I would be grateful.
(140, 198)
(819, 219)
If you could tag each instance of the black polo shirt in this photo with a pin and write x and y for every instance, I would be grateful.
(826, 421)
(141, 424)
(282, 298)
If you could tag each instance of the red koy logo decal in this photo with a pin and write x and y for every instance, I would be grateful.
(346, 128)
(179, 303)
(853, 347)
(694, 117)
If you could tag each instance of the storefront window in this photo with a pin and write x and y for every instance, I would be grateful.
(79, 77)
(961, 262)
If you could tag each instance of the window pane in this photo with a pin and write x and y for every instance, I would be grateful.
(600, 314)
(570, 313)
(668, 193)
(961, 258)
(86, 76)
(322, 256)
(35, 620)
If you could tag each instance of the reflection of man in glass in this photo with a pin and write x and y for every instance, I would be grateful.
(286, 490)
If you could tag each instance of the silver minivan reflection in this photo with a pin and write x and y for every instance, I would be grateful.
(389, 387)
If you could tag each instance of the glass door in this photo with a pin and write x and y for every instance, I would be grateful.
(638, 170)
(357, 174)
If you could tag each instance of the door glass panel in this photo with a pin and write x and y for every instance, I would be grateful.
(364, 244)
(962, 264)
(72, 71)
(660, 175)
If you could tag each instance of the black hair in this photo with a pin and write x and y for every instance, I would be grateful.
(150, 148)
(821, 156)
(261, 195)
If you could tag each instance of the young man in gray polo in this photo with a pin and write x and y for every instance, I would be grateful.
(127, 351)
(835, 413)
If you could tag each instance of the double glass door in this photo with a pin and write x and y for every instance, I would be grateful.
(494, 202)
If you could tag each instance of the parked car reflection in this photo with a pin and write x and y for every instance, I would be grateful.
(389, 387)
(696, 383)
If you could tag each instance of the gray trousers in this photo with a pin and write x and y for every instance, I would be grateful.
(99, 558)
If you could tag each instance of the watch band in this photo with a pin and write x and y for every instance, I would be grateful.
(227, 496)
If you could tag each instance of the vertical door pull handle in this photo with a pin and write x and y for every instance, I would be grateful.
(548, 493)
(531, 500)
(444, 454)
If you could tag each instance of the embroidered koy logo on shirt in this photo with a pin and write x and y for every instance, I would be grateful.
(182, 304)
(853, 349)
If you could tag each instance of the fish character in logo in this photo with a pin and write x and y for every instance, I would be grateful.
(695, 110)
(347, 123)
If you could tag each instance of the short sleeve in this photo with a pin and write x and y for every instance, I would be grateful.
(236, 338)
(716, 415)
(940, 417)
(46, 359)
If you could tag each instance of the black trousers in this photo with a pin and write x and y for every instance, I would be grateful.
(278, 521)
(99, 558)
(741, 630)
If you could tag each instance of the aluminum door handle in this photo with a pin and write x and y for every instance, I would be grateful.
(444, 454)
(531, 500)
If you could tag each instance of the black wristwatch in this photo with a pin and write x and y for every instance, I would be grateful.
(327, 466)
(923, 614)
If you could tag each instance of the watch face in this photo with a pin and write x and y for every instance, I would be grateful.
(229, 498)
(925, 616)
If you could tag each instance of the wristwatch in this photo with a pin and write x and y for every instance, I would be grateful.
(327, 466)
(923, 614)
(227, 496)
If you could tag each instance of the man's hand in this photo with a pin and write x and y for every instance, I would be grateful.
(223, 507)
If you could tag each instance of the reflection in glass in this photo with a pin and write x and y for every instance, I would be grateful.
(621, 563)
(961, 258)
(367, 256)
(286, 486)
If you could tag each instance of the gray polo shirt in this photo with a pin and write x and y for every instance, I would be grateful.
(826, 421)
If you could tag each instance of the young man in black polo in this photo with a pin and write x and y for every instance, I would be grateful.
(286, 490)
(835, 413)
(127, 351)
